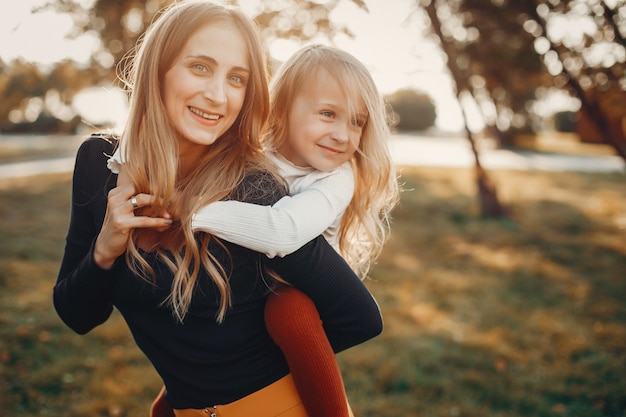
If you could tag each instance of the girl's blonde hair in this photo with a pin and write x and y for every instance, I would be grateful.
(150, 145)
(365, 223)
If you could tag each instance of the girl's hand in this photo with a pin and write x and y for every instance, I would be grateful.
(120, 219)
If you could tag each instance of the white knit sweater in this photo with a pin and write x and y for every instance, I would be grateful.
(315, 205)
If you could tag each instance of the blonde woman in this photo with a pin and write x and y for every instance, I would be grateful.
(195, 303)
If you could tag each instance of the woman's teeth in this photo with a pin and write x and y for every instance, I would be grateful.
(203, 114)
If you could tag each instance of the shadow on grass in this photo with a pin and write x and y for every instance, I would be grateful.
(522, 316)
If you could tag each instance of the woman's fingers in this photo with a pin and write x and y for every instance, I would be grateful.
(144, 222)
(134, 202)
(120, 218)
(139, 219)
(126, 198)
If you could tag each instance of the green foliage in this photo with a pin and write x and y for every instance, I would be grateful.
(18, 81)
(413, 110)
(504, 55)
(45, 123)
(119, 24)
(23, 83)
(301, 20)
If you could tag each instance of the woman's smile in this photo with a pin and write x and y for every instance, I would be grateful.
(205, 88)
(203, 114)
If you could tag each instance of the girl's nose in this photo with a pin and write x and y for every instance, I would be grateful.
(341, 133)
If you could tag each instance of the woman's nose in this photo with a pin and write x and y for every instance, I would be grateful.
(215, 90)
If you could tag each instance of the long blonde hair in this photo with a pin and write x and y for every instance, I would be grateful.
(150, 146)
(365, 224)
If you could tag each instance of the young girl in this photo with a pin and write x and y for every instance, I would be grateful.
(328, 137)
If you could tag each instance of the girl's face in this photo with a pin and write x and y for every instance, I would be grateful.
(205, 88)
(322, 131)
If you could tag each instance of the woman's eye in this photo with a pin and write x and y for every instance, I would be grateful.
(199, 67)
(327, 113)
(237, 79)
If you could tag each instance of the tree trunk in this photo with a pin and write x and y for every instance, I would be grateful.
(609, 15)
(489, 203)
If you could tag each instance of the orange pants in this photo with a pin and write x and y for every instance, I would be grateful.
(278, 399)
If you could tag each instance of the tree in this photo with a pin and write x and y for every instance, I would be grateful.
(20, 83)
(301, 20)
(511, 52)
(505, 54)
(413, 110)
(489, 202)
(118, 24)
(591, 79)
(34, 100)
(496, 64)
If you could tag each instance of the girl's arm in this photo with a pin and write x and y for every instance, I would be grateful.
(287, 225)
(349, 313)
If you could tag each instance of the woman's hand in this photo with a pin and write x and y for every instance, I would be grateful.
(120, 219)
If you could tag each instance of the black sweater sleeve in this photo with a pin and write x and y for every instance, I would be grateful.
(83, 292)
(349, 313)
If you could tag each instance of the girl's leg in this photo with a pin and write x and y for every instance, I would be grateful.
(295, 326)
(160, 407)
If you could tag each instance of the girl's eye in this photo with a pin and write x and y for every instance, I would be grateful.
(327, 113)
(358, 122)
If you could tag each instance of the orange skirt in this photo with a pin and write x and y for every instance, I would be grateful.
(278, 399)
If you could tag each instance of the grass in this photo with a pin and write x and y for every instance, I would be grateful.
(22, 148)
(520, 316)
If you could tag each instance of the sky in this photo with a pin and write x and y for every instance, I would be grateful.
(388, 40)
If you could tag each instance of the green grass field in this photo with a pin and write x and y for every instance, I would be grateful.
(517, 317)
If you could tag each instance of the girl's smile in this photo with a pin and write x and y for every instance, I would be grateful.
(323, 131)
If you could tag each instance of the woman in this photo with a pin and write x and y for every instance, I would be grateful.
(199, 100)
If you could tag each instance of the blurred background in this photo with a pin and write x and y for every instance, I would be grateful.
(90, 37)
(518, 67)
(502, 286)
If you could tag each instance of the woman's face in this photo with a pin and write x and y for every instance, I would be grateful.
(205, 88)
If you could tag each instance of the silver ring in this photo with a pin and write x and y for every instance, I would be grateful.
(133, 201)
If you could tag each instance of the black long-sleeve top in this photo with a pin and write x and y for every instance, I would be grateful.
(202, 362)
